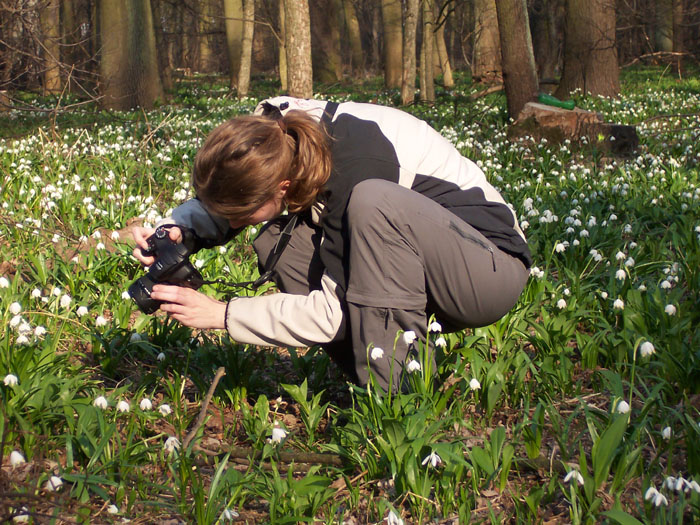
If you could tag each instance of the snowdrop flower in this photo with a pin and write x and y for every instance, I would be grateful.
(694, 485)
(566, 292)
(630, 262)
(123, 406)
(620, 255)
(377, 353)
(114, 235)
(536, 272)
(81, 311)
(670, 309)
(619, 304)
(393, 519)
(622, 407)
(15, 308)
(4, 283)
(435, 327)
(22, 340)
(642, 287)
(56, 292)
(21, 516)
(440, 341)
(172, 443)
(229, 515)
(666, 433)
(646, 349)
(474, 384)
(433, 458)
(101, 402)
(560, 247)
(145, 404)
(113, 509)
(10, 380)
(100, 321)
(54, 484)
(165, 409)
(66, 300)
(575, 475)
(39, 331)
(620, 275)
(36, 293)
(657, 499)
(413, 366)
(409, 336)
(160, 356)
(561, 304)
(16, 458)
(604, 295)
(125, 295)
(665, 284)
(278, 434)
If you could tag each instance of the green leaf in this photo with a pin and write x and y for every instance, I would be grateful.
(621, 517)
(605, 447)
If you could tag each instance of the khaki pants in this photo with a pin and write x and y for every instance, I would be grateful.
(409, 258)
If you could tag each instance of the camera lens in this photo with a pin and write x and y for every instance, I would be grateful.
(140, 292)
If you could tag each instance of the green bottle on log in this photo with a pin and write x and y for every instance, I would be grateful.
(544, 98)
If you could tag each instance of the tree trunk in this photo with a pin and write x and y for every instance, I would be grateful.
(393, 54)
(233, 12)
(590, 55)
(486, 65)
(427, 90)
(298, 43)
(69, 35)
(164, 63)
(678, 34)
(246, 47)
(353, 28)
(545, 37)
(519, 75)
(408, 77)
(203, 29)
(282, 50)
(51, 42)
(663, 34)
(325, 40)
(443, 57)
(129, 65)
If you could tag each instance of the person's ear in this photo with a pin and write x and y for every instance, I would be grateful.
(284, 186)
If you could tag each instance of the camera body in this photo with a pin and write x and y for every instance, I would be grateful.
(172, 266)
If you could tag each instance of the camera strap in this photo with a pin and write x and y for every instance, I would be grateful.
(275, 255)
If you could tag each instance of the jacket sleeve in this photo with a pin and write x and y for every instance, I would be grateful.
(283, 319)
(211, 229)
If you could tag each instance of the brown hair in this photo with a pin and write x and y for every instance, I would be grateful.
(243, 161)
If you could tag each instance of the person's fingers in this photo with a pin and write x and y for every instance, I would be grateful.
(175, 234)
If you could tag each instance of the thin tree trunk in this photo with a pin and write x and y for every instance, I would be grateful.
(203, 30)
(246, 47)
(663, 35)
(325, 40)
(678, 34)
(164, 64)
(519, 74)
(486, 65)
(393, 55)
(427, 92)
(51, 52)
(408, 77)
(282, 50)
(353, 28)
(233, 12)
(298, 43)
(443, 57)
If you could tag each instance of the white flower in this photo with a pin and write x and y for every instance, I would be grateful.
(278, 434)
(15, 308)
(409, 336)
(113, 509)
(629, 262)
(36, 293)
(377, 353)
(56, 292)
(433, 458)
(575, 475)
(604, 295)
(4, 283)
(101, 402)
(15, 321)
(10, 380)
(229, 515)
(646, 349)
(22, 340)
(100, 321)
(413, 366)
(622, 407)
(620, 275)
(665, 284)
(474, 384)
(165, 409)
(125, 295)
(435, 327)
(40, 331)
(670, 483)
(123, 406)
(666, 433)
(670, 309)
(21, 516)
(16, 458)
(440, 341)
(642, 287)
(560, 247)
(561, 304)
(114, 235)
(145, 404)
(619, 304)
(54, 484)
(620, 255)
(393, 519)
(694, 485)
(81, 311)
(160, 356)
(65, 301)
(657, 499)
(536, 272)
(172, 443)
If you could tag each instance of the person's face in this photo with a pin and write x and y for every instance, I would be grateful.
(267, 211)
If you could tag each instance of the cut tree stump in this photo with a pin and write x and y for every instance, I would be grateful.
(540, 121)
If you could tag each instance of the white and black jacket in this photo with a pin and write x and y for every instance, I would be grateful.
(369, 141)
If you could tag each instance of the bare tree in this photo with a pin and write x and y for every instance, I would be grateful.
(233, 24)
(298, 44)
(408, 76)
(246, 47)
(51, 46)
(440, 16)
(486, 66)
(427, 67)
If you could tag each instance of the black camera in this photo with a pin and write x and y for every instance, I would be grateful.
(172, 266)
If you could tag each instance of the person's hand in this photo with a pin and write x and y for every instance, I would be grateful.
(190, 307)
(140, 236)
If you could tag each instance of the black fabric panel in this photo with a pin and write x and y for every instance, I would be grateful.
(493, 219)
